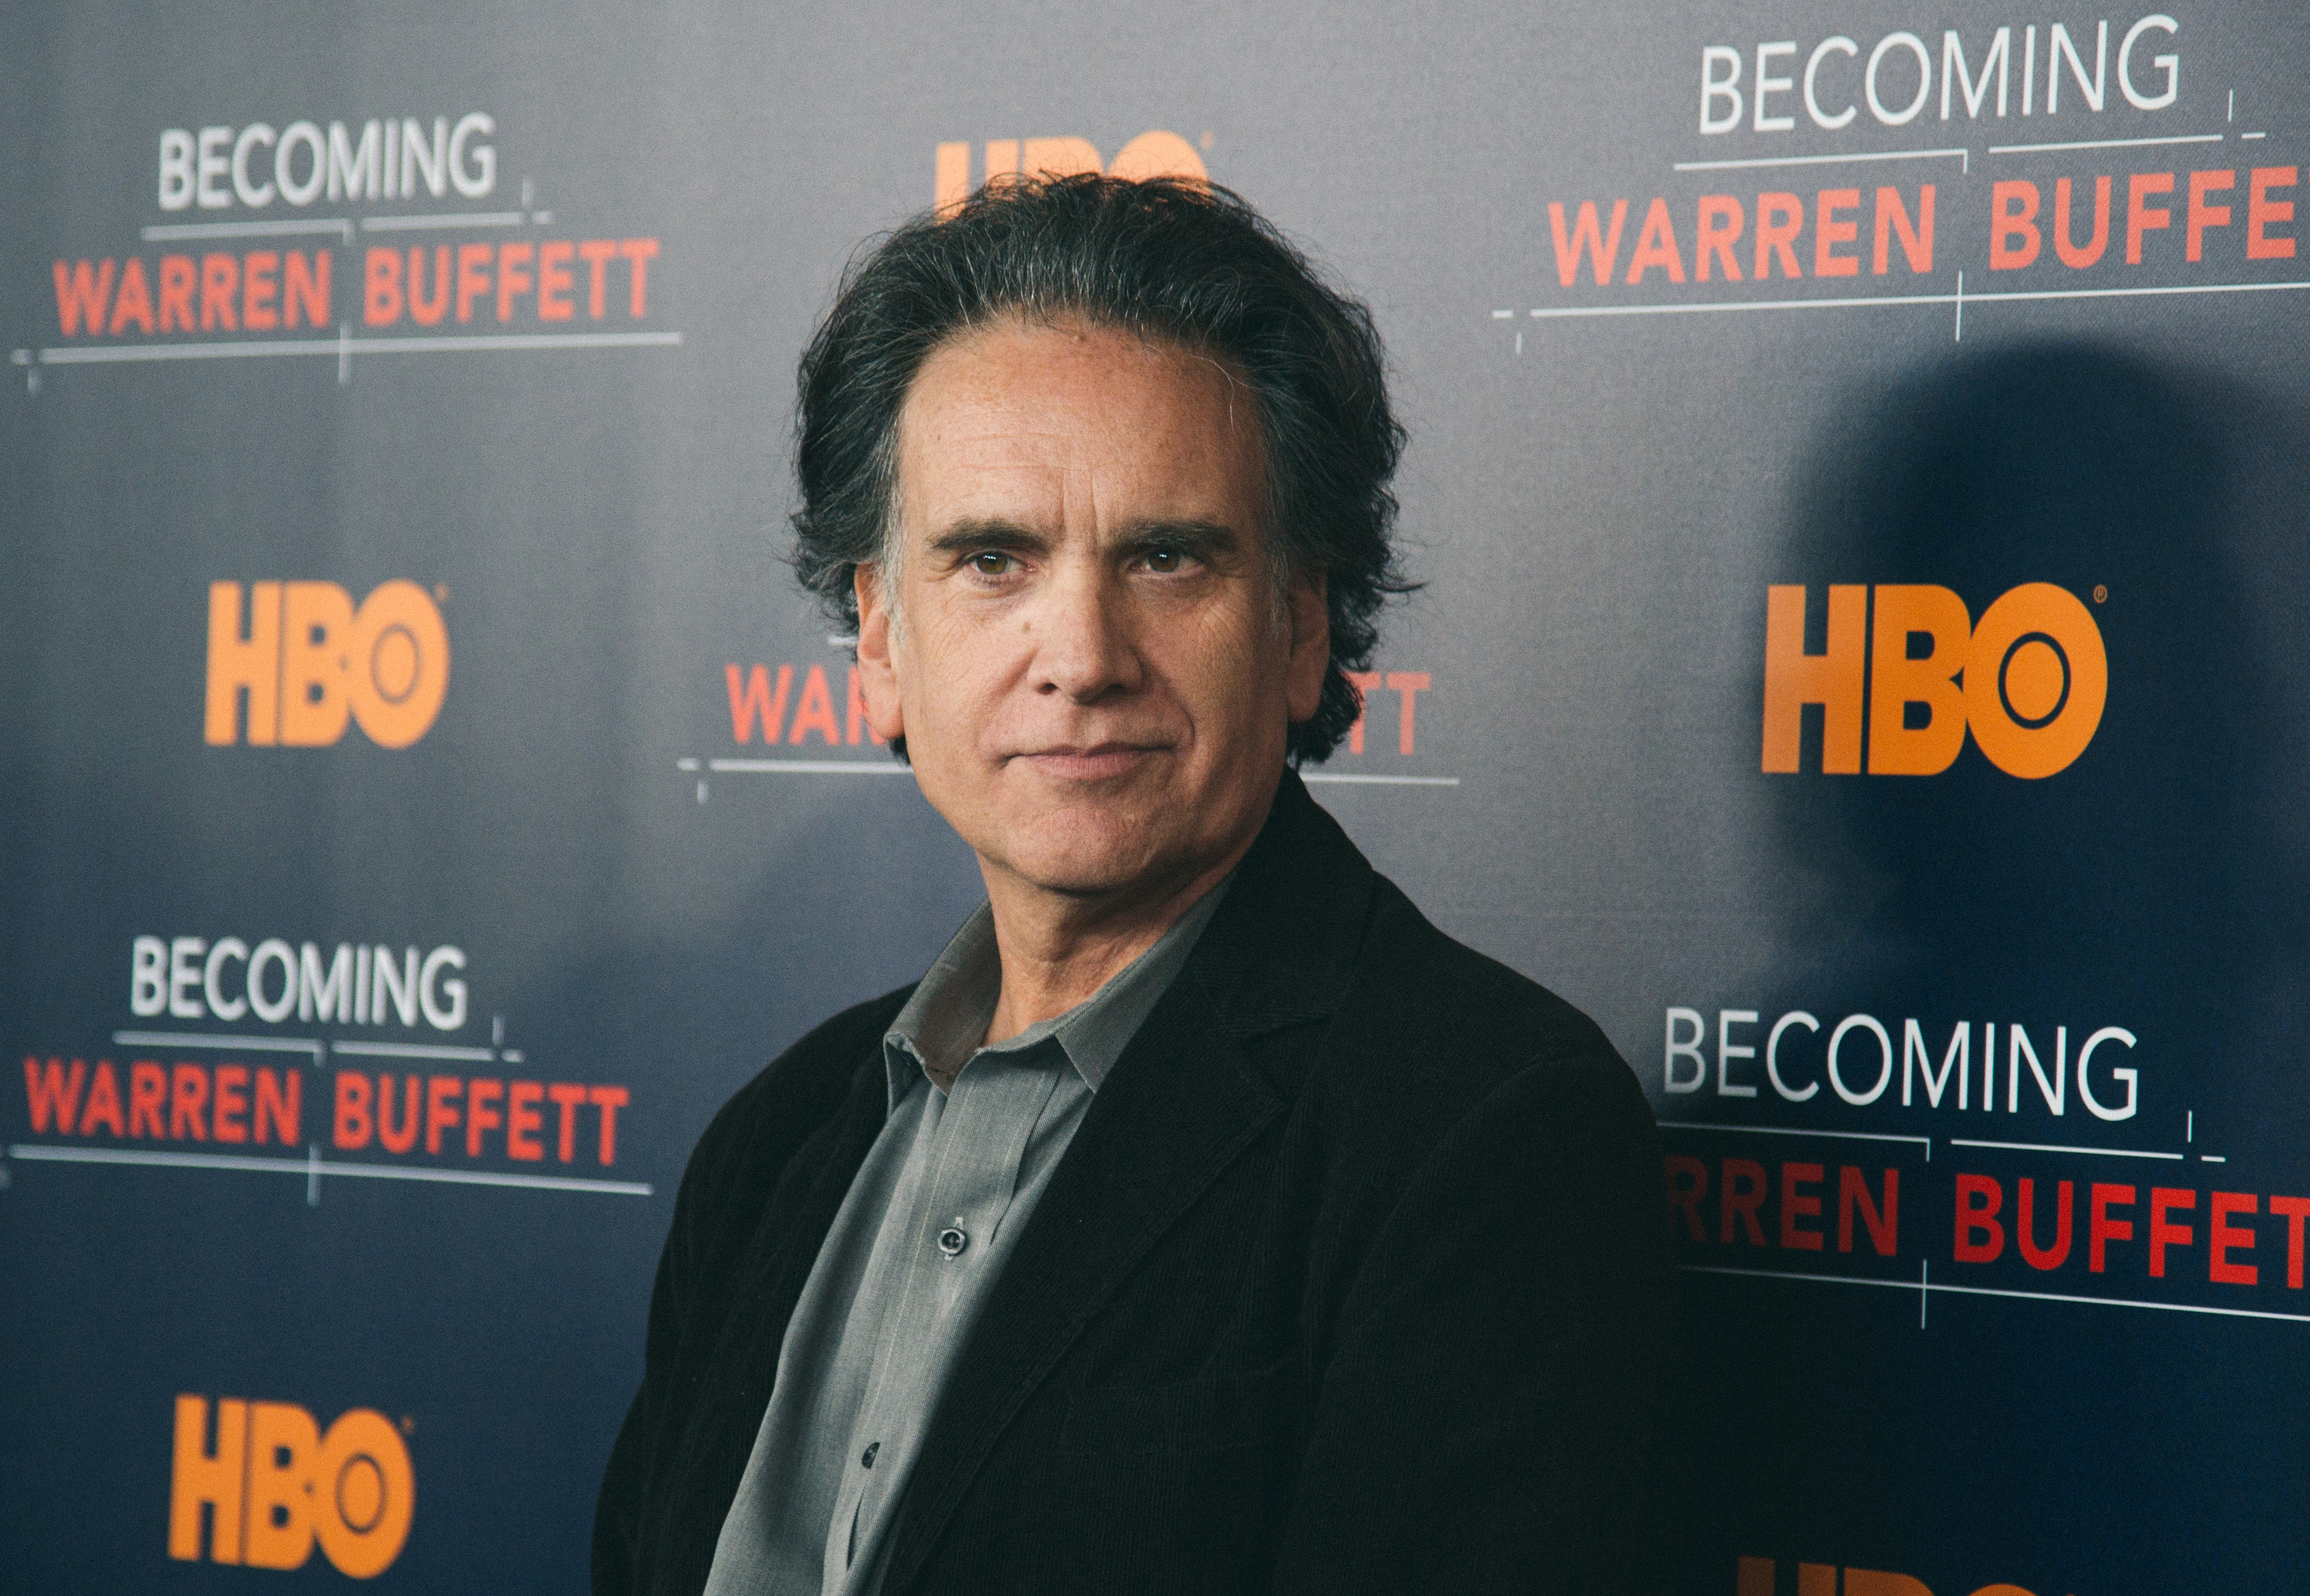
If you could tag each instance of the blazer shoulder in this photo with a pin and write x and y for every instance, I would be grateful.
(1467, 1001)
(753, 1134)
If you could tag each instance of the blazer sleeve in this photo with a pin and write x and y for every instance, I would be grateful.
(1485, 1419)
(617, 1511)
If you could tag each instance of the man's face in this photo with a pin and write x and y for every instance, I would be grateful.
(1087, 662)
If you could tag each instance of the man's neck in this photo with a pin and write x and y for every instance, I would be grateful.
(1057, 948)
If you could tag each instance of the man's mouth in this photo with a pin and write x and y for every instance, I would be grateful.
(1094, 761)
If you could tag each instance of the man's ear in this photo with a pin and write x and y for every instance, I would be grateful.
(1308, 606)
(878, 676)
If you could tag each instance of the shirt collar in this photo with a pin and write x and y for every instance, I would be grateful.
(947, 1016)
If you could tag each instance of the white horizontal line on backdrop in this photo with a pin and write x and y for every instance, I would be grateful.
(414, 1050)
(1919, 1286)
(2178, 138)
(2046, 1147)
(1687, 1124)
(1558, 312)
(235, 1044)
(310, 1167)
(1725, 165)
(379, 224)
(478, 342)
(164, 232)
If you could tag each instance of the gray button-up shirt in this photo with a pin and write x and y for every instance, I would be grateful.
(931, 1217)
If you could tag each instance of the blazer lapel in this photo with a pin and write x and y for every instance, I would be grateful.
(1181, 1104)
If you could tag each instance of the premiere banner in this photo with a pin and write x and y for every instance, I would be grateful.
(1856, 475)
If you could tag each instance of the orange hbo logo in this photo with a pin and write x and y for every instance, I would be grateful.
(274, 1484)
(1157, 154)
(305, 661)
(2028, 681)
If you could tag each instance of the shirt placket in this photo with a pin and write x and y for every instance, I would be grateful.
(981, 1138)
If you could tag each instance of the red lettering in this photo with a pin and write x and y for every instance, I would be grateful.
(522, 1121)
(188, 1098)
(1603, 249)
(1719, 228)
(478, 1115)
(2141, 217)
(2295, 1210)
(176, 279)
(381, 287)
(513, 275)
(305, 289)
(352, 1127)
(83, 292)
(135, 302)
(1828, 232)
(147, 1097)
(2012, 214)
(2262, 211)
(597, 254)
(2163, 1235)
(258, 287)
(2222, 1237)
(53, 1093)
(753, 702)
(231, 1102)
(1407, 685)
(425, 312)
(1916, 243)
(1655, 246)
(1853, 1197)
(473, 277)
(279, 1105)
(553, 281)
(1780, 218)
(2025, 1227)
(640, 252)
(2100, 1229)
(1688, 1183)
(400, 1138)
(1794, 1206)
(220, 287)
(2203, 215)
(103, 1108)
(1741, 1193)
(567, 1096)
(2071, 254)
(1978, 1199)
(1366, 683)
(609, 1100)
(815, 713)
(441, 1113)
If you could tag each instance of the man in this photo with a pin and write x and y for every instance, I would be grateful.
(1204, 1219)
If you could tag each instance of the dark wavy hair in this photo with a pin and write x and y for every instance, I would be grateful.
(1166, 259)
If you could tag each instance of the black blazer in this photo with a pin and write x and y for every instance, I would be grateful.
(1350, 1281)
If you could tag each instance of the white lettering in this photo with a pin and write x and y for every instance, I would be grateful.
(1954, 76)
(176, 169)
(292, 190)
(479, 182)
(1812, 67)
(211, 163)
(443, 1016)
(148, 978)
(218, 1004)
(1916, 46)
(2108, 1033)
(1885, 1061)
(2168, 64)
(1686, 1047)
(1773, 1055)
(1713, 88)
(1769, 85)
(256, 196)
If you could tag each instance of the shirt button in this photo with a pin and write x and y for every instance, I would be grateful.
(866, 1458)
(953, 1239)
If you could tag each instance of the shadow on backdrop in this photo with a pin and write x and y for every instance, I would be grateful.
(2151, 884)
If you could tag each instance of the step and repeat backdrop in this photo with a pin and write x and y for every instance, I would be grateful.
(1858, 476)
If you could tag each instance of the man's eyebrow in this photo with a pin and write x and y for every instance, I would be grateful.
(1202, 538)
(969, 536)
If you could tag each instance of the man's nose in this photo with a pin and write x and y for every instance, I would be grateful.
(1086, 650)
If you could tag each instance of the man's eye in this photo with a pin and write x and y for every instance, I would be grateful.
(990, 562)
(1165, 561)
